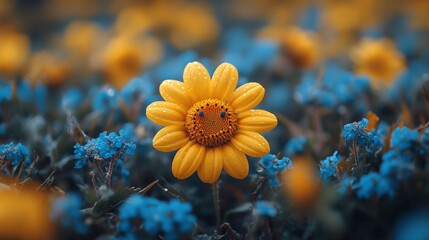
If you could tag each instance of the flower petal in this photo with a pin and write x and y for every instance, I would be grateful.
(235, 162)
(196, 80)
(187, 160)
(256, 121)
(170, 138)
(166, 113)
(211, 167)
(251, 143)
(174, 91)
(223, 82)
(247, 97)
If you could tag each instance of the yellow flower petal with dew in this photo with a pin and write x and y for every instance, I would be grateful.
(235, 163)
(211, 167)
(165, 113)
(174, 91)
(223, 82)
(247, 97)
(196, 80)
(257, 121)
(187, 160)
(251, 143)
(170, 138)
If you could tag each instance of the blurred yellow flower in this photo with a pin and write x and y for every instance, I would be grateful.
(48, 68)
(81, 37)
(125, 57)
(14, 51)
(210, 122)
(301, 183)
(301, 47)
(24, 214)
(378, 59)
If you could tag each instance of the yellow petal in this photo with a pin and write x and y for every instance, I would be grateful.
(256, 121)
(251, 143)
(235, 162)
(223, 82)
(174, 91)
(166, 113)
(247, 97)
(187, 160)
(196, 80)
(211, 167)
(170, 138)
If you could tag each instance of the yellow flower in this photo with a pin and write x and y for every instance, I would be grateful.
(301, 47)
(379, 59)
(211, 123)
(14, 49)
(24, 214)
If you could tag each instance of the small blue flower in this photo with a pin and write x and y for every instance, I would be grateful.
(105, 100)
(328, 167)
(273, 166)
(168, 218)
(374, 184)
(295, 145)
(345, 185)
(402, 138)
(5, 91)
(71, 99)
(396, 165)
(356, 132)
(15, 153)
(66, 211)
(265, 208)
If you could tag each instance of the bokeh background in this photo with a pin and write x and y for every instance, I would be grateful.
(70, 70)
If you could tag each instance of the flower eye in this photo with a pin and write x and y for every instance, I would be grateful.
(222, 114)
(201, 114)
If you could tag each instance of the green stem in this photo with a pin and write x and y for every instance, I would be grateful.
(215, 188)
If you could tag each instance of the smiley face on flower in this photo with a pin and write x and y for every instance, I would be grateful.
(211, 123)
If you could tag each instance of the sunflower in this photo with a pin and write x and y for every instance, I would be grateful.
(210, 122)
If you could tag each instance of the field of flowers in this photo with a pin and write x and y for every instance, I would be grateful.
(242, 119)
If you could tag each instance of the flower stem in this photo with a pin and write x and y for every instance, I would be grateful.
(215, 188)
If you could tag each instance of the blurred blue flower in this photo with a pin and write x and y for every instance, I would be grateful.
(413, 226)
(374, 184)
(66, 211)
(328, 167)
(24, 91)
(105, 100)
(265, 209)
(137, 91)
(345, 185)
(5, 90)
(295, 145)
(41, 95)
(71, 99)
(403, 138)
(396, 165)
(168, 218)
(15, 153)
(271, 167)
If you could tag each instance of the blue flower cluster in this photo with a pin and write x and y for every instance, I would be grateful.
(273, 166)
(328, 167)
(264, 208)
(103, 148)
(295, 145)
(356, 132)
(374, 184)
(105, 100)
(337, 87)
(66, 211)
(71, 99)
(171, 218)
(15, 153)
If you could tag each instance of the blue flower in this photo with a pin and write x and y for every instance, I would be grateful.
(396, 165)
(345, 185)
(168, 218)
(24, 91)
(103, 148)
(71, 99)
(356, 132)
(265, 208)
(15, 153)
(374, 184)
(412, 226)
(273, 166)
(5, 91)
(402, 138)
(328, 167)
(137, 91)
(105, 100)
(295, 145)
(66, 211)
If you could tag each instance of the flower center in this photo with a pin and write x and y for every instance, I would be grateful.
(211, 122)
